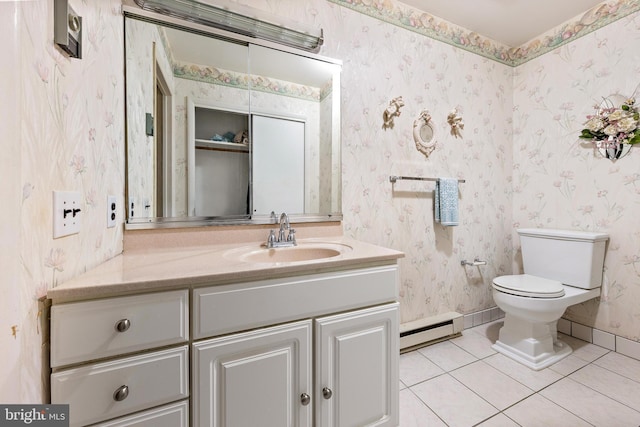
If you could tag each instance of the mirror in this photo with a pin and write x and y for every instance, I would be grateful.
(224, 132)
(424, 133)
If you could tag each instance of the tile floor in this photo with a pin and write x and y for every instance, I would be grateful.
(464, 382)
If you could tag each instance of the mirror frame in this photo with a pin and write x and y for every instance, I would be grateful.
(427, 144)
(131, 10)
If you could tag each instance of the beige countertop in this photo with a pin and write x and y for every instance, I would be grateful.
(158, 269)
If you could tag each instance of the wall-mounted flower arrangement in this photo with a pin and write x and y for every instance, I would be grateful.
(613, 128)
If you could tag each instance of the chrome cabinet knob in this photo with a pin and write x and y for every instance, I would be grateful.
(327, 393)
(305, 399)
(121, 393)
(123, 325)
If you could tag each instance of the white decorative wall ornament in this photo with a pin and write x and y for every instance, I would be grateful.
(424, 133)
(391, 112)
(456, 123)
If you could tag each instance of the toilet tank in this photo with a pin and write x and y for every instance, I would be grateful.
(575, 258)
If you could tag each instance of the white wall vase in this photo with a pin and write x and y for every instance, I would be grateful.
(614, 153)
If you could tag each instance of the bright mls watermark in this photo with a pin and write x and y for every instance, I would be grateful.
(34, 415)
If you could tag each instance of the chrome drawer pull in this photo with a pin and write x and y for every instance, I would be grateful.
(121, 393)
(327, 393)
(305, 399)
(123, 325)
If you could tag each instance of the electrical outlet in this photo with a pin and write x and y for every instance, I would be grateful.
(67, 213)
(112, 211)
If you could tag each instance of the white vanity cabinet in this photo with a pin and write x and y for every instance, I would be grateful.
(318, 349)
(313, 367)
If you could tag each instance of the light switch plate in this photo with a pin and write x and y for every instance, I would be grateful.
(67, 213)
(148, 212)
(132, 207)
(112, 211)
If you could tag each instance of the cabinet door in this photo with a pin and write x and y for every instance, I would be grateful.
(255, 378)
(357, 368)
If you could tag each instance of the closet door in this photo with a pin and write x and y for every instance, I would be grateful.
(278, 165)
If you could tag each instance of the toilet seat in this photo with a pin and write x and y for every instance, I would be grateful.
(526, 285)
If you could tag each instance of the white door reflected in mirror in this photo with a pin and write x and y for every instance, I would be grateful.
(278, 165)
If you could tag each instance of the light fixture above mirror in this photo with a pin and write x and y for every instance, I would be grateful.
(242, 20)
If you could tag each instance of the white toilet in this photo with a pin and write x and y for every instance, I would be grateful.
(562, 268)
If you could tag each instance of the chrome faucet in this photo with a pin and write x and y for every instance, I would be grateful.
(282, 241)
(284, 225)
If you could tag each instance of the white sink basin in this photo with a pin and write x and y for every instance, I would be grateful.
(304, 252)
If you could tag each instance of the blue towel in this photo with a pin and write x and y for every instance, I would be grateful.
(446, 201)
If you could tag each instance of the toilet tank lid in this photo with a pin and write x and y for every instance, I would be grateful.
(563, 234)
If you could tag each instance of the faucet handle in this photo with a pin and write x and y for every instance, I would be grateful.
(271, 240)
(292, 236)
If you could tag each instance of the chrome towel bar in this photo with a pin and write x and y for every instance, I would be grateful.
(394, 178)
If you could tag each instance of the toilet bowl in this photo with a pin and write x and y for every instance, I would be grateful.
(562, 268)
(529, 333)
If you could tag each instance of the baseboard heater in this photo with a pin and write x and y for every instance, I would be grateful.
(423, 331)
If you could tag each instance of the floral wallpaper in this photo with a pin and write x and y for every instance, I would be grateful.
(559, 181)
(519, 154)
(11, 285)
(326, 158)
(438, 77)
(144, 50)
(65, 132)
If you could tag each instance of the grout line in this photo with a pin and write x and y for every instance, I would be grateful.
(601, 393)
(562, 407)
(425, 404)
(482, 398)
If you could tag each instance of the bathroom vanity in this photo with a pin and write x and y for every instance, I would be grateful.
(227, 335)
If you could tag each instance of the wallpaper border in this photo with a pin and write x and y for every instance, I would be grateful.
(217, 76)
(420, 22)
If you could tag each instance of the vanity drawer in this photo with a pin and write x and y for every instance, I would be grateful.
(84, 331)
(229, 308)
(173, 415)
(97, 392)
